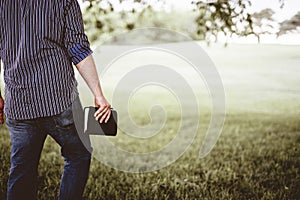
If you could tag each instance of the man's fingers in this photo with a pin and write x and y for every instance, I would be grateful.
(100, 109)
(102, 112)
(108, 116)
(105, 116)
(104, 109)
(99, 114)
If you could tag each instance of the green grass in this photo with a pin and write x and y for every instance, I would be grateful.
(256, 157)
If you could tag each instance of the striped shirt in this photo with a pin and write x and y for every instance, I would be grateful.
(39, 41)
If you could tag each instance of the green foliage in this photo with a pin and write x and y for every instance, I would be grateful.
(99, 22)
(227, 17)
(205, 21)
(102, 24)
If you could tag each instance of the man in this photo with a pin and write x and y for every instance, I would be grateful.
(39, 41)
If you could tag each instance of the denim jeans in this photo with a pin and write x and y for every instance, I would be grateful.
(28, 136)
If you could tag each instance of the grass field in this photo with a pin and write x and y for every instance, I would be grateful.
(256, 157)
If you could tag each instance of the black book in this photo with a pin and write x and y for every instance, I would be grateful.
(93, 127)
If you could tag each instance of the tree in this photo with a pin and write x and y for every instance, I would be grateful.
(103, 21)
(264, 22)
(290, 25)
(227, 17)
(98, 19)
(211, 18)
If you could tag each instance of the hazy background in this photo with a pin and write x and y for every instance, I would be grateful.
(255, 49)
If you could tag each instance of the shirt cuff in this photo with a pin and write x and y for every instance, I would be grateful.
(78, 53)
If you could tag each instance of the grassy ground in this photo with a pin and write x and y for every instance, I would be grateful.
(256, 157)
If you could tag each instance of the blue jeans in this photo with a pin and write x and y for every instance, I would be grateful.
(28, 136)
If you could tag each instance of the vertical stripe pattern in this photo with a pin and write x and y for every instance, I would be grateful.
(39, 41)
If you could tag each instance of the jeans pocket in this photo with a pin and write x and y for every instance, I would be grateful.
(12, 122)
(65, 119)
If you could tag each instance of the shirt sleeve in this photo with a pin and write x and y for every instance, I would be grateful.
(75, 40)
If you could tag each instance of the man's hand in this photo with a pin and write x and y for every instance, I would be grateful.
(103, 113)
(87, 70)
(1, 110)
